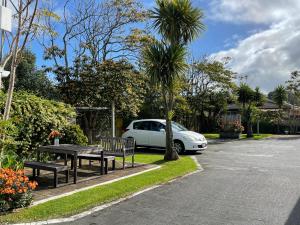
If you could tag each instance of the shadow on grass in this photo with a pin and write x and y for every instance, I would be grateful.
(294, 217)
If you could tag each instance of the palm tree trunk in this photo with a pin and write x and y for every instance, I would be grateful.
(249, 129)
(170, 153)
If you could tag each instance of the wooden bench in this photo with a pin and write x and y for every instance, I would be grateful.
(118, 147)
(97, 157)
(55, 168)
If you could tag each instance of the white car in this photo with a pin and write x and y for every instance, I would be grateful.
(151, 133)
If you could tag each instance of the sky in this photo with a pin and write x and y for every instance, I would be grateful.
(262, 38)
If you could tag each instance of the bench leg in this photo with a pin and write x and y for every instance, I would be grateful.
(132, 160)
(33, 173)
(106, 166)
(55, 179)
(113, 164)
(80, 163)
(67, 176)
(124, 163)
(72, 163)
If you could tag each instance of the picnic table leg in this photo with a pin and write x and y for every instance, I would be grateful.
(102, 163)
(75, 168)
(66, 159)
(55, 179)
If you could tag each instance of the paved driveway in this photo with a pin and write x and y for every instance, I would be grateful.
(243, 183)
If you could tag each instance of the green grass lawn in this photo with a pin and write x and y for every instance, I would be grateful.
(243, 136)
(85, 200)
(257, 136)
(212, 136)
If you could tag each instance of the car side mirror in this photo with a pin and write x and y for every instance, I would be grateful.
(162, 130)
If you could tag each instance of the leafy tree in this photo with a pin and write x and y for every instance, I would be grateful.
(178, 22)
(294, 89)
(249, 99)
(28, 78)
(279, 96)
(25, 15)
(99, 85)
(209, 90)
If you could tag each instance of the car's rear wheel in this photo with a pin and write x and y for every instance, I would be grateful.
(179, 147)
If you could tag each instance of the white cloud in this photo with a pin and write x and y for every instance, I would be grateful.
(268, 56)
(253, 11)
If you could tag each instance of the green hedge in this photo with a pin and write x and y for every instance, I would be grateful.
(34, 117)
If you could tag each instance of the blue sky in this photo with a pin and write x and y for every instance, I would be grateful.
(261, 37)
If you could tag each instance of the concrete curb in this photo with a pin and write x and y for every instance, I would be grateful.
(89, 187)
(104, 206)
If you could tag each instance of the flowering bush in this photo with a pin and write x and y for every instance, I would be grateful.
(231, 126)
(54, 134)
(15, 189)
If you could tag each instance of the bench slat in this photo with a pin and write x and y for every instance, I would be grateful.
(45, 166)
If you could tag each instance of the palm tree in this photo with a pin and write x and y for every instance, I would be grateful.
(165, 64)
(249, 98)
(178, 22)
(279, 96)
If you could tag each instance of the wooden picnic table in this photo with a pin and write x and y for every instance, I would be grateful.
(73, 151)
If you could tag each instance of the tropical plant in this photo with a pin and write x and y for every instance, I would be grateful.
(279, 96)
(164, 64)
(178, 22)
(249, 99)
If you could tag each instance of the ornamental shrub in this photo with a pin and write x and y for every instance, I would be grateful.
(34, 118)
(15, 189)
(72, 133)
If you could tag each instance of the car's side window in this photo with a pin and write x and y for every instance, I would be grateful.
(144, 125)
(157, 126)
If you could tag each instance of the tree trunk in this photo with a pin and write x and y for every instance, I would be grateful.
(249, 129)
(170, 153)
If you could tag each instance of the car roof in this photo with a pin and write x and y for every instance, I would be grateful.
(156, 120)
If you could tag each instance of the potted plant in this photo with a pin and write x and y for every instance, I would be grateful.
(231, 129)
(55, 135)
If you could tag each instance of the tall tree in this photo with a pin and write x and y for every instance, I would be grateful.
(249, 99)
(178, 22)
(29, 78)
(164, 64)
(294, 89)
(279, 96)
(24, 15)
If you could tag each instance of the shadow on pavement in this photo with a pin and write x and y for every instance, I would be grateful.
(294, 217)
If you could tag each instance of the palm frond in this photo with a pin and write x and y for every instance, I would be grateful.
(164, 63)
(177, 20)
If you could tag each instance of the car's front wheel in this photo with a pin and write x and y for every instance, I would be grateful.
(179, 147)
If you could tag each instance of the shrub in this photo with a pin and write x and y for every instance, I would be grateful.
(35, 117)
(231, 126)
(72, 133)
(15, 189)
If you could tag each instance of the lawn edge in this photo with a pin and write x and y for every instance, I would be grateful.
(106, 205)
(93, 186)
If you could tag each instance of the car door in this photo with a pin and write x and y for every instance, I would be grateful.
(140, 132)
(157, 137)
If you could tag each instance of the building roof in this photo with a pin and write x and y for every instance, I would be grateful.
(268, 105)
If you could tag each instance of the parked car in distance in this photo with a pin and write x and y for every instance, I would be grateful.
(151, 133)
